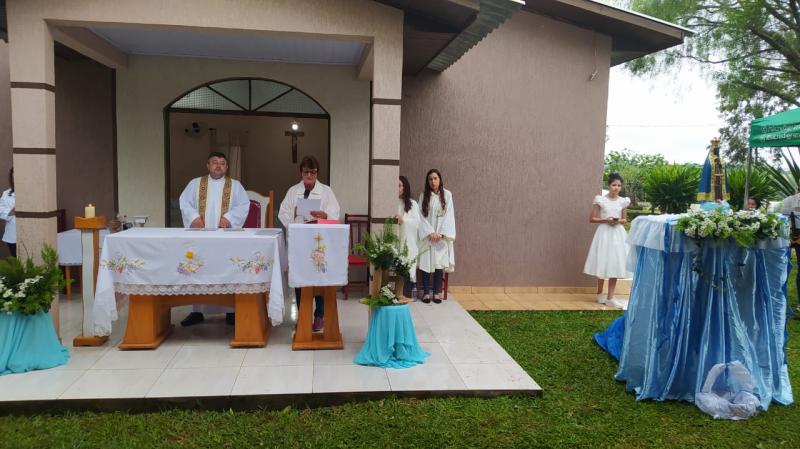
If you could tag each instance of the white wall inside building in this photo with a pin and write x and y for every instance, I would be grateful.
(152, 82)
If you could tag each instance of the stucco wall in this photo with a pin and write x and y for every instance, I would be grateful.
(151, 83)
(518, 131)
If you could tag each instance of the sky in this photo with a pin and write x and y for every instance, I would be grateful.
(673, 114)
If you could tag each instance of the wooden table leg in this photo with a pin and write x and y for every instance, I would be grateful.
(148, 322)
(68, 276)
(252, 325)
(330, 338)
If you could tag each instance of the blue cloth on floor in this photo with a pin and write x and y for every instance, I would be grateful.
(29, 342)
(694, 307)
(391, 340)
(611, 338)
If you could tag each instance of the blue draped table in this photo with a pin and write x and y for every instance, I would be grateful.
(692, 307)
(29, 342)
(391, 340)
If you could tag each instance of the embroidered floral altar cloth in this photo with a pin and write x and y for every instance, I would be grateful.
(694, 306)
(318, 254)
(177, 261)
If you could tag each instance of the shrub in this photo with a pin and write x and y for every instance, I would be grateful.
(672, 188)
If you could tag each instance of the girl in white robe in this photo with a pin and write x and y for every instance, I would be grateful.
(437, 233)
(408, 220)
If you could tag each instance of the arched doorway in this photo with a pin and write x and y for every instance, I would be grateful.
(247, 119)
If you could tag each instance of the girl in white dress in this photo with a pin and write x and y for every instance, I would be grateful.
(609, 251)
(408, 219)
(437, 232)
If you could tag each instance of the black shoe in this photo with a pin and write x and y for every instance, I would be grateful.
(192, 319)
(230, 318)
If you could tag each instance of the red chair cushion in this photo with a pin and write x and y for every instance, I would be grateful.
(356, 260)
(253, 219)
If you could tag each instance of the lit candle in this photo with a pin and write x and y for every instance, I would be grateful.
(88, 211)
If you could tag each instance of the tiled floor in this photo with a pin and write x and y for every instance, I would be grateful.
(519, 298)
(197, 362)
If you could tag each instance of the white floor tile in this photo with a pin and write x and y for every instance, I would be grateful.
(207, 357)
(475, 353)
(425, 377)
(506, 376)
(140, 359)
(133, 383)
(278, 355)
(349, 378)
(83, 358)
(36, 385)
(274, 380)
(194, 382)
(337, 357)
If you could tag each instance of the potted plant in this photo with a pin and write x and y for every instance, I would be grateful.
(26, 294)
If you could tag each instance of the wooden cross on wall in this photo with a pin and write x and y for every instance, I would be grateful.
(295, 135)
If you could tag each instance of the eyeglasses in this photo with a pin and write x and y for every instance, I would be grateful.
(309, 172)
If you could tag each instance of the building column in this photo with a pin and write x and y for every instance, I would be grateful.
(33, 130)
(384, 158)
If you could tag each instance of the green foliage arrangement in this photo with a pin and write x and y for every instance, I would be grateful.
(672, 188)
(384, 251)
(761, 186)
(28, 288)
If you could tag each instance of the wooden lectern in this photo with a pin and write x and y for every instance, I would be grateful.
(318, 265)
(90, 256)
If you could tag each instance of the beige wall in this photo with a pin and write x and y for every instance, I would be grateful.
(267, 156)
(518, 131)
(151, 83)
(84, 135)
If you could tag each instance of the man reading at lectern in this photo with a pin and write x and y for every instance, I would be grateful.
(213, 201)
(309, 188)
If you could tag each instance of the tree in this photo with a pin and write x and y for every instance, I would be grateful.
(672, 188)
(633, 168)
(750, 48)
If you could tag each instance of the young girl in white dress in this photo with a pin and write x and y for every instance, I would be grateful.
(609, 251)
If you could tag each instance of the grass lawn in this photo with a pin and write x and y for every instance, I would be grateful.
(582, 407)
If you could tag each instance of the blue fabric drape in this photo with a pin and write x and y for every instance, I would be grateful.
(694, 307)
(391, 340)
(29, 342)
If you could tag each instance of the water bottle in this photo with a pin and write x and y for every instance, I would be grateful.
(414, 291)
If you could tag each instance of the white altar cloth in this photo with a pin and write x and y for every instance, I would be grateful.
(318, 254)
(177, 261)
(68, 245)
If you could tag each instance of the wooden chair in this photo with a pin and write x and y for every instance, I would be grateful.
(359, 224)
(261, 210)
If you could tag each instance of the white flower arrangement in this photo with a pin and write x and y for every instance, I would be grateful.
(745, 226)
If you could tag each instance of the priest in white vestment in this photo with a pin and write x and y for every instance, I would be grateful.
(309, 188)
(213, 201)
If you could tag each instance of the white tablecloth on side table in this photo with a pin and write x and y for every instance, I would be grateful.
(176, 261)
(318, 254)
(68, 245)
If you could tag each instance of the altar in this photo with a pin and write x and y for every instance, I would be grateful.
(159, 268)
(693, 306)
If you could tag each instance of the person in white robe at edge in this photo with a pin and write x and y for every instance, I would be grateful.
(210, 202)
(7, 213)
(310, 188)
(437, 232)
(408, 220)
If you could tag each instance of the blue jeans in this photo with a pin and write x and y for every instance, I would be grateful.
(408, 287)
(437, 281)
(319, 303)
